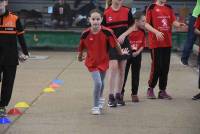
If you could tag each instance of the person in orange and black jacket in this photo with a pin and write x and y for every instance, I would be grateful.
(11, 30)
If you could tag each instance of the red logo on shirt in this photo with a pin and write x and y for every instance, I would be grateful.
(91, 39)
(109, 18)
(157, 10)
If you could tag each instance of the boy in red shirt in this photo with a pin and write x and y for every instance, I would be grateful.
(96, 40)
(197, 31)
(160, 19)
(137, 42)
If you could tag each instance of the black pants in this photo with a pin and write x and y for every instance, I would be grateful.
(8, 77)
(159, 67)
(198, 62)
(135, 63)
(199, 77)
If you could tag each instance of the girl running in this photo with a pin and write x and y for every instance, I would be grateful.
(96, 40)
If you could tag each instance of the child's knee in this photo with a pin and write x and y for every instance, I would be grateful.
(98, 84)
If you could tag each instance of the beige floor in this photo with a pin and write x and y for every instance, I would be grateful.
(67, 111)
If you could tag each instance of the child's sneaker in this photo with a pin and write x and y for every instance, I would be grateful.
(196, 97)
(150, 93)
(101, 103)
(163, 95)
(184, 62)
(96, 111)
(3, 112)
(119, 100)
(134, 98)
(111, 101)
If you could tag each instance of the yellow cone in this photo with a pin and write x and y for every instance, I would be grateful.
(48, 90)
(21, 105)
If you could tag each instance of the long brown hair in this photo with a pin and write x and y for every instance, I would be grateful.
(108, 3)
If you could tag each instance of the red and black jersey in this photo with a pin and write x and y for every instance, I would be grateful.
(137, 39)
(10, 30)
(197, 23)
(161, 18)
(97, 48)
(118, 21)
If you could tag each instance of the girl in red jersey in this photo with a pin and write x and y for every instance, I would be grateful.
(137, 41)
(118, 18)
(160, 19)
(197, 31)
(96, 41)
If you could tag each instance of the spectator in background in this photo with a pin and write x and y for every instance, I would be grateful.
(197, 32)
(62, 14)
(77, 2)
(191, 37)
(83, 12)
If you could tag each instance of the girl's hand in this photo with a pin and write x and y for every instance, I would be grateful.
(125, 51)
(182, 24)
(23, 58)
(159, 36)
(81, 58)
(135, 54)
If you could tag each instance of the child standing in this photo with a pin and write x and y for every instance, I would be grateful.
(137, 41)
(118, 18)
(96, 41)
(197, 32)
(160, 19)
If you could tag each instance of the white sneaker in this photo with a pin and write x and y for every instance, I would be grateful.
(101, 103)
(96, 111)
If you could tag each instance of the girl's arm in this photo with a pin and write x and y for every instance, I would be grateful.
(137, 52)
(122, 37)
(118, 47)
(178, 24)
(159, 35)
(80, 56)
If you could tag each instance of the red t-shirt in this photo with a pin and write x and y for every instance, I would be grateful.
(197, 25)
(97, 46)
(137, 39)
(161, 18)
(119, 20)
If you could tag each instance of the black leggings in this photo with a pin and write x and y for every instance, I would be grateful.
(135, 63)
(7, 74)
(199, 77)
(198, 62)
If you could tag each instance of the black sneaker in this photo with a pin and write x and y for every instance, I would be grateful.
(196, 97)
(3, 112)
(111, 101)
(184, 62)
(119, 100)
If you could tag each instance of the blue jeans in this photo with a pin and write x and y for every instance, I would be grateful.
(191, 38)
(98, 78)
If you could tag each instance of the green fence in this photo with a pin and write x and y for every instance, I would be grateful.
(178, 40)
(69, 39)
(52, 39)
